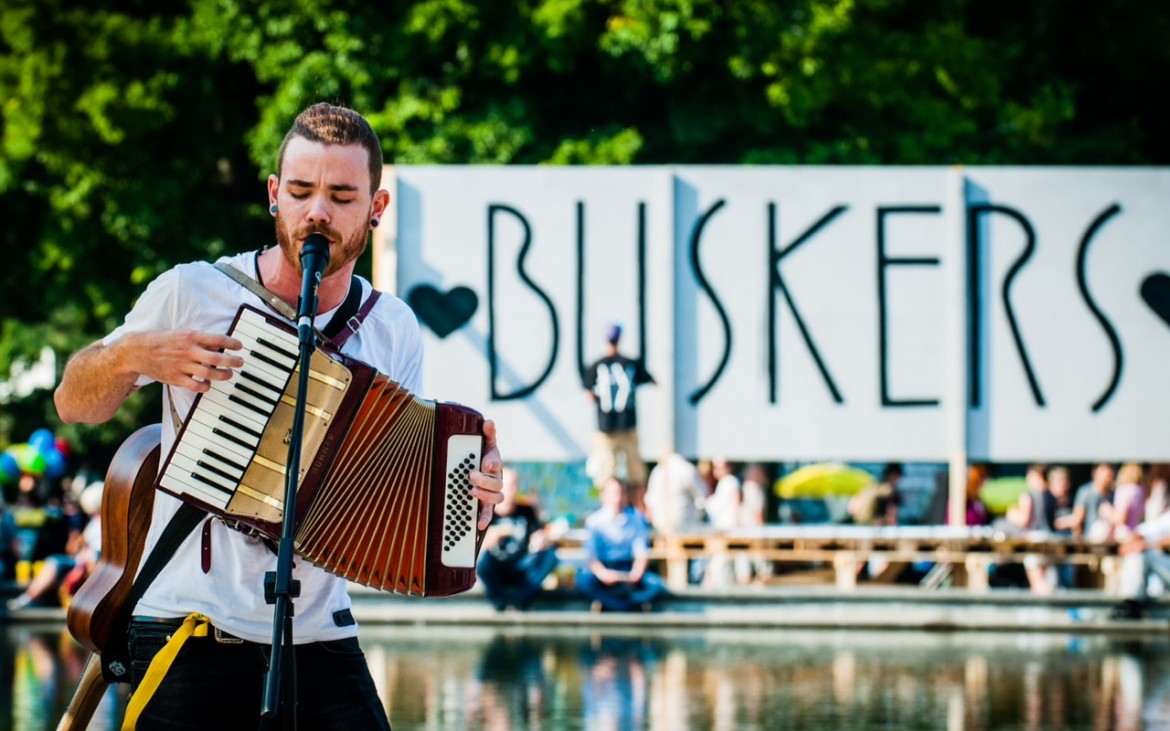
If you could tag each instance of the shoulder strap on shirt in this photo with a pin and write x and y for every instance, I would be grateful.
(354, 322)
(254, 287)
(336, 332)
(347, 310)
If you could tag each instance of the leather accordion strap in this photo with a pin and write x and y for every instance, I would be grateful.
(345, 321)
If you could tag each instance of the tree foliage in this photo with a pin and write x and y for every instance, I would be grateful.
(137, 134)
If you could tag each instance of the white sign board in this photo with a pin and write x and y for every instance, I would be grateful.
(800, 313)
(515, 274)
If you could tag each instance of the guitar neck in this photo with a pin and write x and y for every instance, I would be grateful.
(86, 698)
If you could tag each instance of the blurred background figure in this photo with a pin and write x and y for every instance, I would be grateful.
(723, 513)
(878, 504)
(675, 495)
(1060, 485)
(1157, 490)
(611, 382)
(1037, 512)
(723, 505)
(61, 574)
(1087, 520)
(752, 511)
(517, 552)
(753, 504)
(1144, 556)
(1036, 508)
(617, 551)
(976, 512)
(1128, 507)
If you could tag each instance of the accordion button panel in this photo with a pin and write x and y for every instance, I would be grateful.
(460, 509)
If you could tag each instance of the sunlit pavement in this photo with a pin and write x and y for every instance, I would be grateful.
(890, 608)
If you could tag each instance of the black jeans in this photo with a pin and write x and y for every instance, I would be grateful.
(219, 685)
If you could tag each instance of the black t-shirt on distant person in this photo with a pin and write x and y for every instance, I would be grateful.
(516, 528)
(613, 380)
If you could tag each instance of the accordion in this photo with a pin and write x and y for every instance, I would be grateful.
(383, 495)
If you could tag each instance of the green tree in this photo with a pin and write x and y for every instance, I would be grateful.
(137, 135)
(123, 153)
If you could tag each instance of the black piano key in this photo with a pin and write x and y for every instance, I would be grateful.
(216, 470)
(261, 382)
(242, 427)
(273, 346)
(270, 361)
(208, 481)
(232, 437)
(247, 405)
(219, 456)
(256, 394)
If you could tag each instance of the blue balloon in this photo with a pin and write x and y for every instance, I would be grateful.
(43, 441)
(9, 469)
(54, 464)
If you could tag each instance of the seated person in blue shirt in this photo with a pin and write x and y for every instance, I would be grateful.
(617, 549)
(517, 553)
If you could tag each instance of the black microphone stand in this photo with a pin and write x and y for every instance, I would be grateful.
(279, 586)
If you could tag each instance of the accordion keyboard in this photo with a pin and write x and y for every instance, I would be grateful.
(232, 452)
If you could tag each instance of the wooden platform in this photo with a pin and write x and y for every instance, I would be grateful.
(964, 556)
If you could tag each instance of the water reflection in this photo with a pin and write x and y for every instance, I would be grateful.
(441, 679)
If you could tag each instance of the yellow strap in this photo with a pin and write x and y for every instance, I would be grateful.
(194, 625)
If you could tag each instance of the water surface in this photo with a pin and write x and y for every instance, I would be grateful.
(463, 679)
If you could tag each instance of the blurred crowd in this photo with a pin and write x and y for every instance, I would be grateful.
(50, 527)
(50, 537)
(682, 496)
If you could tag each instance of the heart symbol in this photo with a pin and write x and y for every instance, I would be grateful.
(1156, 293)
(443, 312)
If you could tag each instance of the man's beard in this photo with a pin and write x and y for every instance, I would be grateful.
(341, 252)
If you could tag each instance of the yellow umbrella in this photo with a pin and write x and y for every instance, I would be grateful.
(823, 480)
(1002, 493)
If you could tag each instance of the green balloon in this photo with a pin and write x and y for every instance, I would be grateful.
(28, 459)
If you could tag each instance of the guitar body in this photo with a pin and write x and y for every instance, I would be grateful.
(127, 505)
(127, 502)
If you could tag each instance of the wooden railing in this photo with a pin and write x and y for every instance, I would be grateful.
(966, 554)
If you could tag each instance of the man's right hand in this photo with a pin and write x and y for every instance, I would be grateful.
(98, 379)
(185, 358)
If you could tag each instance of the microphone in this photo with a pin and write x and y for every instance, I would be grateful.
(314, 260)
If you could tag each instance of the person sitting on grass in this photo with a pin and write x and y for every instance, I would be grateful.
(617, 549)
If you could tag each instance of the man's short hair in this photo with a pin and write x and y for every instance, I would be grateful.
(333, 125)
(613, 333)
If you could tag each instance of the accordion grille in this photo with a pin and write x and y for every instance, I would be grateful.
(368, 521)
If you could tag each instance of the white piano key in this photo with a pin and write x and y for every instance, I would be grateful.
(220, 403)
(225, 401)
(181, 483)
(187, 466)
(211, 424)
(195, 440)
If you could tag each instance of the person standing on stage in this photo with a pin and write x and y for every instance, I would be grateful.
(327, 181)
(611, 382)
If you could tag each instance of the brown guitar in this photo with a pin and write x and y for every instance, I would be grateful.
(127, 502)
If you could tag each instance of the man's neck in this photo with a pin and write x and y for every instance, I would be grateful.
(282, 279)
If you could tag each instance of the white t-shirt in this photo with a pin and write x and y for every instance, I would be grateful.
(1155, 530)
(199, 297)
(723, 505)
(675, 494)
